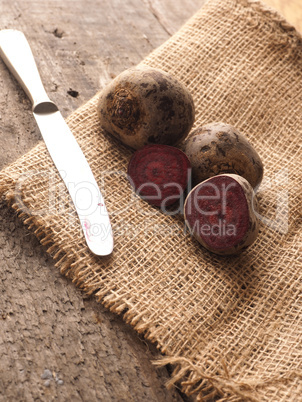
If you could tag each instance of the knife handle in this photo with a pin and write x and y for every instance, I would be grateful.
(17, 55)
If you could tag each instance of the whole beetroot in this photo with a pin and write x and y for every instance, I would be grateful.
(218, 148)
(144, 106)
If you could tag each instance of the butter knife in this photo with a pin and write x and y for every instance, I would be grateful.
(61, 144)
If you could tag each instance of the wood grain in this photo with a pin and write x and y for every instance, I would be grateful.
(56, 344)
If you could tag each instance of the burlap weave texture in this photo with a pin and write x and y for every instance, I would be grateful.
(232, 327)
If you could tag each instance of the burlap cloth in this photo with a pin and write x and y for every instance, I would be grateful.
(231, 327)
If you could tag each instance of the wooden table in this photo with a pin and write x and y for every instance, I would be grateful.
(55, 343)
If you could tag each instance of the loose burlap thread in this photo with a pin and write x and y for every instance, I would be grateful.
(230, 326)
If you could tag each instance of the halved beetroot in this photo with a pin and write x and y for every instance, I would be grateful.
(159, 174)
(220, 214)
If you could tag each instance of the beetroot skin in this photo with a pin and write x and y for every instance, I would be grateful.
(144, 105)
(159, 174)
(220, 214)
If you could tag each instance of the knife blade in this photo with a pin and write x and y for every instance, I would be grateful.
(61, 144)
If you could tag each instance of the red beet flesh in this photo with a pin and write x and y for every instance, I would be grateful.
(217, 213)
(159, 174)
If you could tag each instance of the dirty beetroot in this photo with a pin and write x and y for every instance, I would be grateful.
(159, 174)
(219, 214)
(144, 105)
(218, 148)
